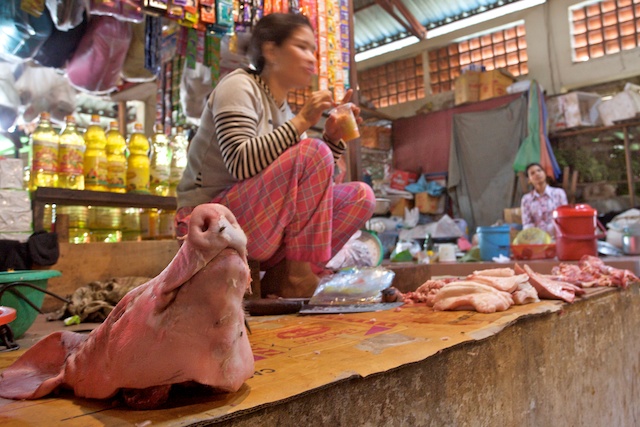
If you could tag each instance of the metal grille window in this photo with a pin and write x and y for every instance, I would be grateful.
(502, 48)
(393, 83)
(604, 27)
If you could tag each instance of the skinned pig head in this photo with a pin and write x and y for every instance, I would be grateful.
(185, 325)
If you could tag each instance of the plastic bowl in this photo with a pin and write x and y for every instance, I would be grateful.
(524, 252)
(25, 314)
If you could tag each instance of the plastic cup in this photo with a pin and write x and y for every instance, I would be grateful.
(346, 121)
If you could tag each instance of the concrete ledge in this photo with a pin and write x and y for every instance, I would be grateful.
(576, 368)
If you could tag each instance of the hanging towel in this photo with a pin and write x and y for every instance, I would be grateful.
(535, 147)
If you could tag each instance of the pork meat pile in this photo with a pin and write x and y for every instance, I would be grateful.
(492, 290)
(184, 326)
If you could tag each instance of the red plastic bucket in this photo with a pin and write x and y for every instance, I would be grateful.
(576, 227)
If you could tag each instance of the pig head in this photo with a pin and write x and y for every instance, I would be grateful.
(185, 325)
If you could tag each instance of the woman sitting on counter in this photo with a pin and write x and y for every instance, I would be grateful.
(538, 205)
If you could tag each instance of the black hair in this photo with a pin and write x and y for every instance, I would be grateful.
(530, 165)
(276, 28)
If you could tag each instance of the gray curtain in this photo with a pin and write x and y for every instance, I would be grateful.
(483, 147)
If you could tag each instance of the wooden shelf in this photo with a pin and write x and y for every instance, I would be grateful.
(622, 126)
(63, 196)
(597, 129)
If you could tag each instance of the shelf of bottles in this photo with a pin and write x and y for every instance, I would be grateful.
(98, 187)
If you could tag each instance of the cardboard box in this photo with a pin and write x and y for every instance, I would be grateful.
(624, 105)
(376, 137)
(467, 87)
(400, 179)
(572, 110)
(398, 205)
(428, 204)
(494, 83)
(513, 216)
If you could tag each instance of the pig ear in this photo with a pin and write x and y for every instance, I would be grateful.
(41, 369)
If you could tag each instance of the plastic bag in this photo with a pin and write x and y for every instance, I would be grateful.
(133, 69)
(43, 89)
(60, 46)
(95, 67)
(195, 88)
(9, 99)
(67, 14)
(123, 10)
(355, 286)
(21, 34)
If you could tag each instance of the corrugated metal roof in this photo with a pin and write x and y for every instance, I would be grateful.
(374, 26)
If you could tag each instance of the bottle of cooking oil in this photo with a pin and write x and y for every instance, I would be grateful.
(160, 166)
(138, 162)
(95, 157)
(116, 159)
(71, 157)
(179, 144)
(44, 154)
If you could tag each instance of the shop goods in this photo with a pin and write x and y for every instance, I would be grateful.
(44, 155)
(160, 162)
(71, 157)
(154, 337)
(576, 227)
(179, 144)
(96, 64)
(549, 288)
(138, 162)
(95, 158)
(116, 159)
(493, 241)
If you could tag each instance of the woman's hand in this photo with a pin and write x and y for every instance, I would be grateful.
(331, 128)
(312, 109)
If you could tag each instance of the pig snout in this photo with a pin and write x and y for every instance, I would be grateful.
(213, 225)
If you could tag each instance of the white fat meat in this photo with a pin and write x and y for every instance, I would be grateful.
(501, 283)
(468, 295)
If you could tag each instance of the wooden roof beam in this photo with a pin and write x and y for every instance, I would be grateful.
(407, 19)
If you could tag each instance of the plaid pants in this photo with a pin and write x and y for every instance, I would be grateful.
(292, 209)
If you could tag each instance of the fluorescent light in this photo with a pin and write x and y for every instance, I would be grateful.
(386, 48)
(483, 17)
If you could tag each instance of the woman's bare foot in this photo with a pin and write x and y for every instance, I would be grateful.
(289, 279)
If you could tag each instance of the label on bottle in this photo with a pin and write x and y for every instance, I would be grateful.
(95, 171)
(45, 156)
(116, 174)
(138, 176)
(71, 159)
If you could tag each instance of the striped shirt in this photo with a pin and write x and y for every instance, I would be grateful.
(242, 131)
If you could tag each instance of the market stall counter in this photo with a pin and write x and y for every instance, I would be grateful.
(547, 363)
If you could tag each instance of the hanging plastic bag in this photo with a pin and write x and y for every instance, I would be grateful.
(133, 69)
(21, 34)
(95, 67)
(67, 14)
(123, 10)
(44, 89)
(9, 99)
(58, 49)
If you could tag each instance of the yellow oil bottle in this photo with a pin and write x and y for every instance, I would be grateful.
(95, 157)
(44, 154)
(160, 166)
(138, 162)
(116, 160)
(179, 144)
(71, 157)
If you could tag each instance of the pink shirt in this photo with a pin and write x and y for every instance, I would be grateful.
(537, 209)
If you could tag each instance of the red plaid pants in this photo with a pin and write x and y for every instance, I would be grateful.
(292, 209)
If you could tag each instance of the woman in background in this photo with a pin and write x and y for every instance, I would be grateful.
(538, 205)
(251, 154)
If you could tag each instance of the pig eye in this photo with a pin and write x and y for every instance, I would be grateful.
(222, 229)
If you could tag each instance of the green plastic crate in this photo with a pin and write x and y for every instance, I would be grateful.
(25, 314)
